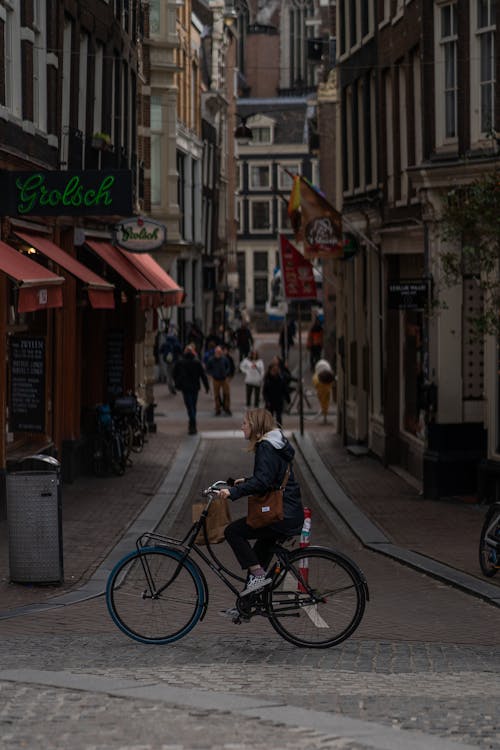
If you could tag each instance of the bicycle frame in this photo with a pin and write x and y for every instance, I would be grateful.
(187, 545)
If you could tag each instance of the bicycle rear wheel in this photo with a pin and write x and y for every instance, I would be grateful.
(153, 598)
(489, 557)
(318, 599)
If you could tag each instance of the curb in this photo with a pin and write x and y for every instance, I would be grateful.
(372, 537)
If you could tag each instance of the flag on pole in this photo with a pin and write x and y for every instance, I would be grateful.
(296, 273)
(315, 221)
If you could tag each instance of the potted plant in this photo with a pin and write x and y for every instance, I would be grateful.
(101, 141)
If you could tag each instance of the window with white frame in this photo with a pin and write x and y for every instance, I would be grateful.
(446, 73)
(13, 88)
(260, 215)
(386, 11)
(483, 77)
(156, 129)
(403, 133)
(286, 170)
(239, 176)
(259, 176)
(389, 136)
(82, 81)
(417, 105)
(98, 74)
(284, 224)
(39, 68)
(238, 205)
(261, 135)
(154, 16)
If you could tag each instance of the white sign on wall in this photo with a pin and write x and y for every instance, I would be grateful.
(140, 234)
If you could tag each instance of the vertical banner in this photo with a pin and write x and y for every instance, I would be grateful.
(298, 284)
(296, 272)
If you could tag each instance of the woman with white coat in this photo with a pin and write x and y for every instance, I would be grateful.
(253, 369)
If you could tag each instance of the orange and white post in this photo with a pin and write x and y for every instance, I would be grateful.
(305, 540)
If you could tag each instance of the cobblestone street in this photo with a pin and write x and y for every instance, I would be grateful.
(420, 672)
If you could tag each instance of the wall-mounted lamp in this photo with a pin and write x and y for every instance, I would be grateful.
(230, 17)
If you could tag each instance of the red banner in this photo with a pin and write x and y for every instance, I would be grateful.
(296, 273)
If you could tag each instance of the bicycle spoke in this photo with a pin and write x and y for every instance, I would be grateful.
(320, 600)
(147, 609)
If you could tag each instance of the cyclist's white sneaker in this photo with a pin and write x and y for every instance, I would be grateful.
(255, 583)
(230, 613)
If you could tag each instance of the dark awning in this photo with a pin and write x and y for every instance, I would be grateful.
(38, 287)
(100, 291)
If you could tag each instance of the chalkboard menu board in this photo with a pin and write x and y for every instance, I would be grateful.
(115, 362)
(27, 384)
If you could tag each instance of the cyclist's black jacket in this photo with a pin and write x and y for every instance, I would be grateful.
(273, 453)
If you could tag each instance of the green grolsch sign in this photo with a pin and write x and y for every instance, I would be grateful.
(82, 193)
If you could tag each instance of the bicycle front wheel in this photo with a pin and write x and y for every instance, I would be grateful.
(154, 598)
(489, 556)
(318, 599)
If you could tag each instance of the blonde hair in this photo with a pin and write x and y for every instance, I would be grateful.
(260, 421)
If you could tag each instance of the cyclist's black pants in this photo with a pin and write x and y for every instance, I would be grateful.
(238, 533)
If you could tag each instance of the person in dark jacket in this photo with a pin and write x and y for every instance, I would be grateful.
(273, 454)
(275, 391)
(188, 373)
(218, 368)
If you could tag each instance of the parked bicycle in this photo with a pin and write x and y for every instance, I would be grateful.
(108, 446)
(128, 414)
(158, 593)
(489, 542)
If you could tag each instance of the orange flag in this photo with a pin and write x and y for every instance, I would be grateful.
(315, 221)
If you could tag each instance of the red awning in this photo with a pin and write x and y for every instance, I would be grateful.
(100, 291)
(152, 270)
(148, 278)
(38, 287)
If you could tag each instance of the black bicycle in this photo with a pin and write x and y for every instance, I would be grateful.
(489, 542)
(158, 593)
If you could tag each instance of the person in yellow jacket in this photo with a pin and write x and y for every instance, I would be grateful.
(323, 378)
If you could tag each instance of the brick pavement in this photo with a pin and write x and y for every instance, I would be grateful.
(97, 511)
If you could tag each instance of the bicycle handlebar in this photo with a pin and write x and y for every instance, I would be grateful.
(216, 486)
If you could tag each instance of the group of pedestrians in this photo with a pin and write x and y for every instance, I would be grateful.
(187, 369)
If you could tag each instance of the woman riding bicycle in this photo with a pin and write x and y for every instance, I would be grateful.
(273, 454)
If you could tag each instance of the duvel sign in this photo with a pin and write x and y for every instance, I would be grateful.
(61, 193)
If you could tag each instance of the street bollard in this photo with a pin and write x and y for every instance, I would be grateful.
(305, 540)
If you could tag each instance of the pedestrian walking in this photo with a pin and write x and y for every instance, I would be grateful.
(244, 340)
(315, 342)
(189, 373)
(273, 456)
(170, 350)
(254, 370)
(275, 391)
(195, 336)
(228, 356)
(323, 379)
(218, 368)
